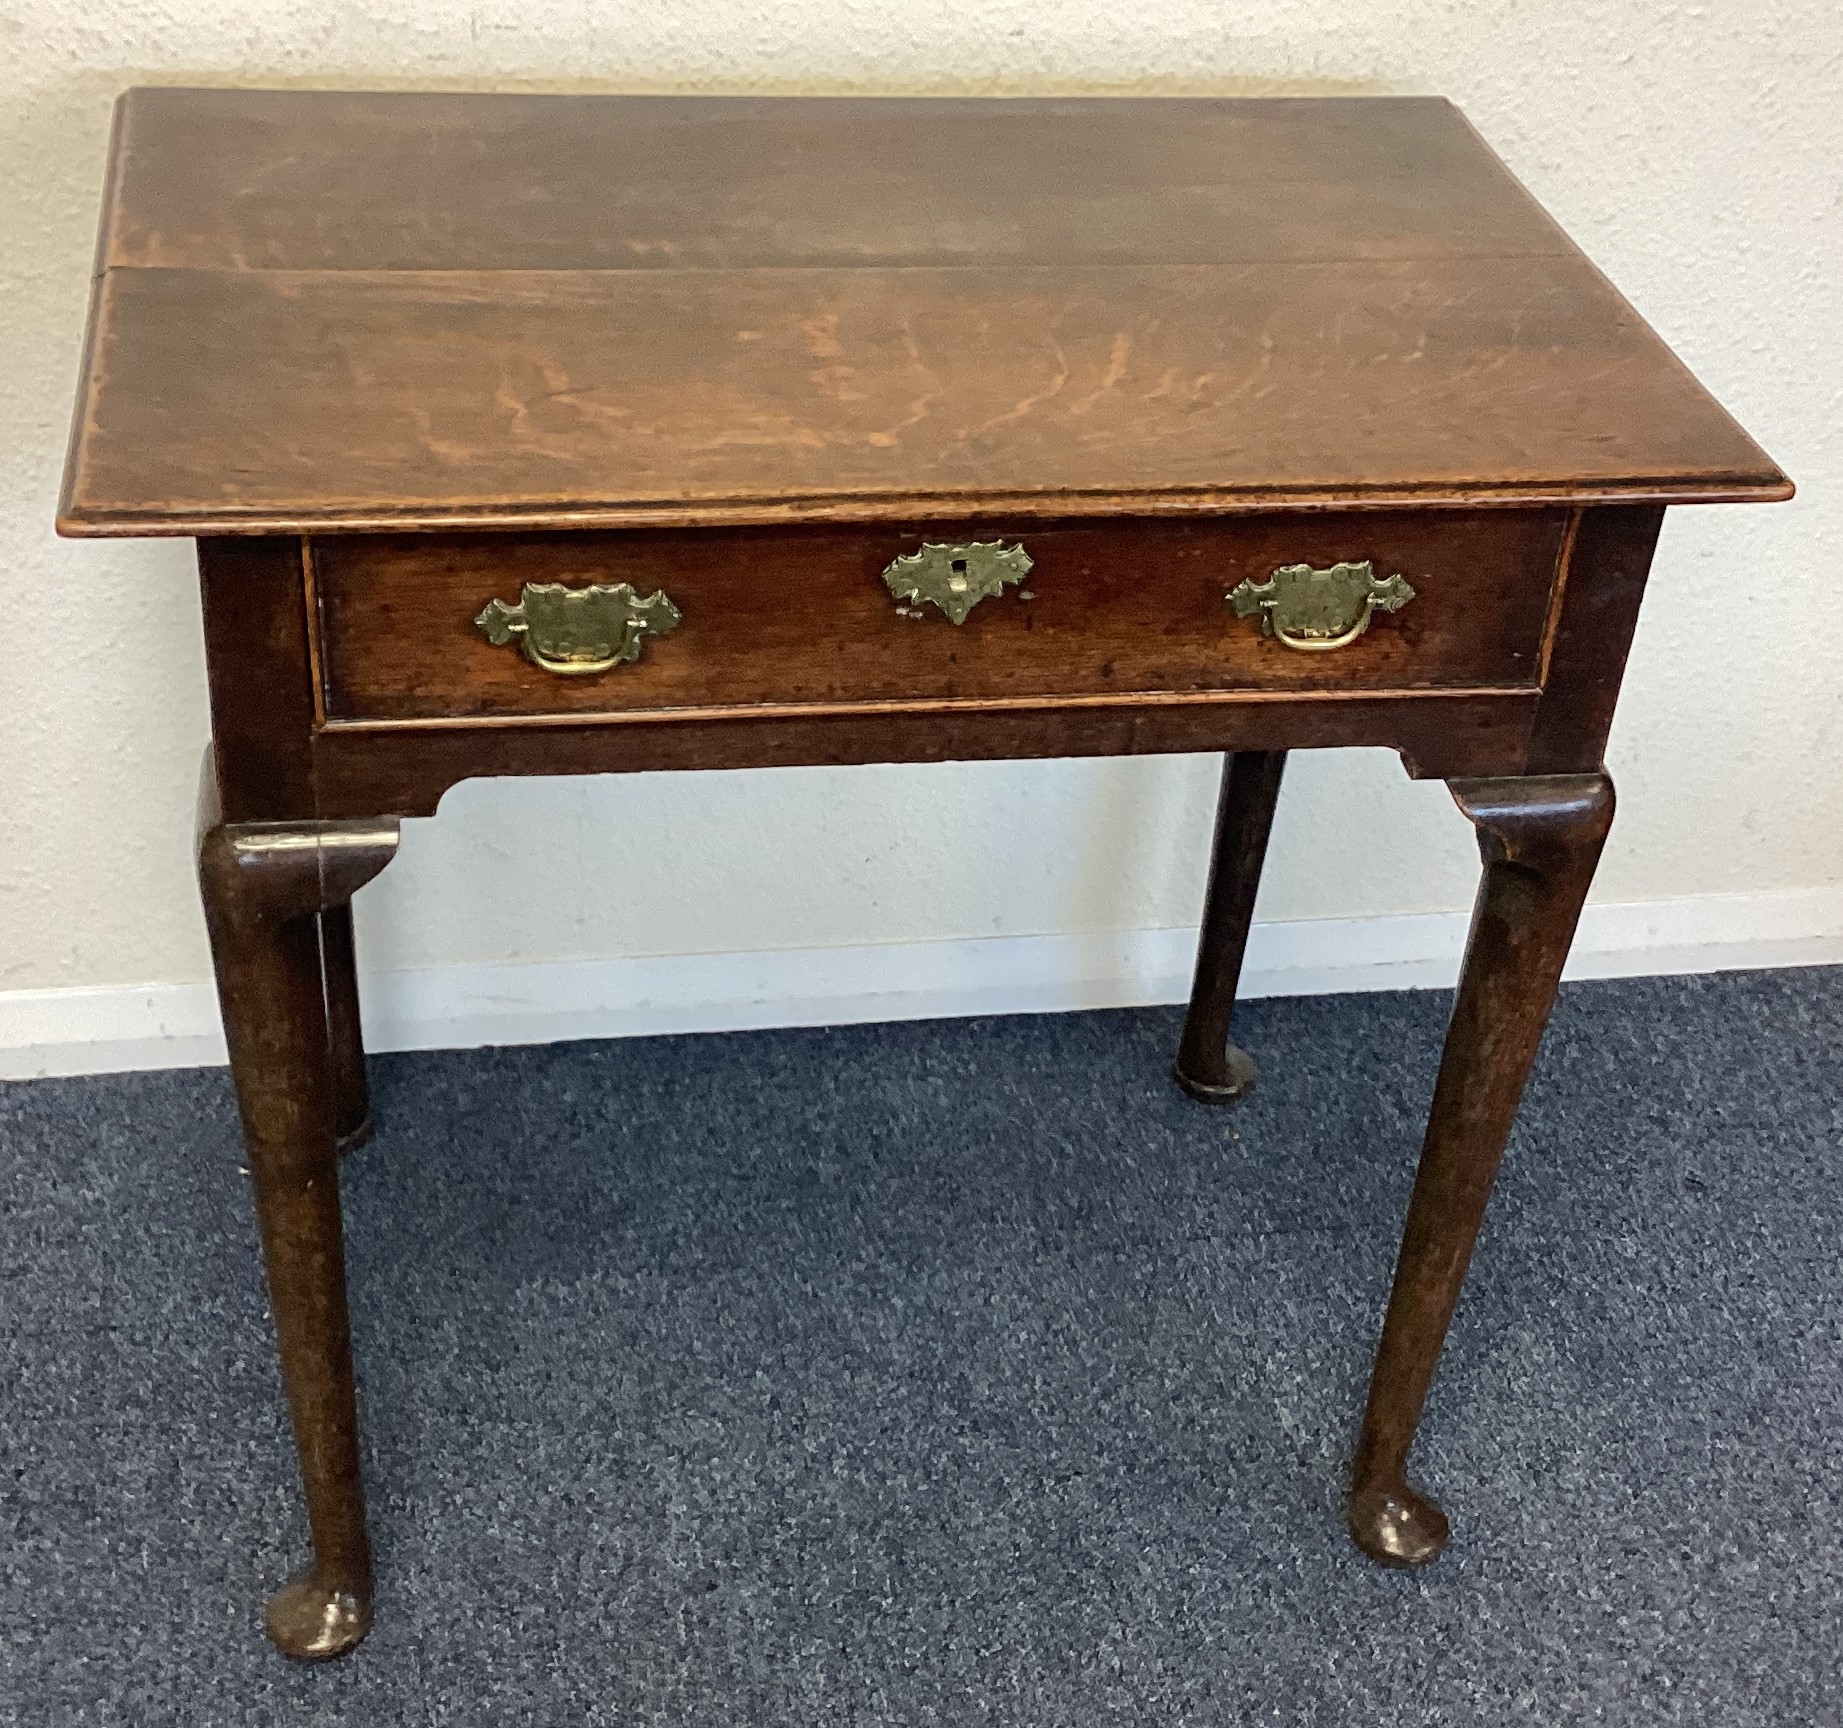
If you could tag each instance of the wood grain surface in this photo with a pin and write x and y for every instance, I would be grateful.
(327, 312)
(800, 617)
(407, 767)
(357, 181)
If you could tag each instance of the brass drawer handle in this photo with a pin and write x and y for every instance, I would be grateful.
(578, 630)
(957, 577)
(1317, 610)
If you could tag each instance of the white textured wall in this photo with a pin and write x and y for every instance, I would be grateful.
(1694, 150)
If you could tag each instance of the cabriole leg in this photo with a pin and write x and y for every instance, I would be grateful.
(1540, 838)
(264, 887)
(1209, 1067)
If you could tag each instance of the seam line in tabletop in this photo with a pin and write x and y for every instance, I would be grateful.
(1020, 266)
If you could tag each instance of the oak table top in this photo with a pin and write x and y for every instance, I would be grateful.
(573, 311)
(548, 435)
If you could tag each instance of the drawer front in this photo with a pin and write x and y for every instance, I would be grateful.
(803, 618)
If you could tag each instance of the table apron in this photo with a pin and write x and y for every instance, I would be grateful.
(404, 768)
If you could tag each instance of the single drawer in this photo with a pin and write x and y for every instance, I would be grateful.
(804, 618)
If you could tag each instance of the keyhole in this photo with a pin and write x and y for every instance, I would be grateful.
(957, 581)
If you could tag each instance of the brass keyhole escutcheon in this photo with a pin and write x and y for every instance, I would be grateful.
(1316, 610)
(957, 577)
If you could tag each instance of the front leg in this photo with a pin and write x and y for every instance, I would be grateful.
(1540, 838)
(264, 887)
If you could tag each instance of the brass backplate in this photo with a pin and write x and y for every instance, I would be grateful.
(957, 577)
(1319, 609)
(577, 630)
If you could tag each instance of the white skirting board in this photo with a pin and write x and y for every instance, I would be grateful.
(117, 1028)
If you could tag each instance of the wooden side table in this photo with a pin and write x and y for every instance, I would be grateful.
(546, 435)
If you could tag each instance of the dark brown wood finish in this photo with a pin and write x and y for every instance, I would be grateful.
(1209, 1067)
(779, 618)
(406, 769)
(260, 654)
(391, 357)
(1540, 837)
(358, 180)
(1591, 629)
(345, 1038)
(537, 399)
(619, 312)
(266, 887)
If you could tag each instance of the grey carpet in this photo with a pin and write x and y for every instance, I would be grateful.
(954, 1373)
